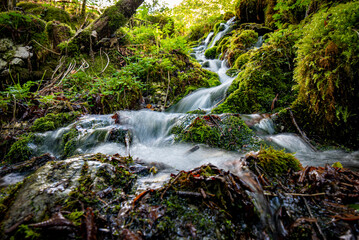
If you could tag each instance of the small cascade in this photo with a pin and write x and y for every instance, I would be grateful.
(259, 43)
(220, 34)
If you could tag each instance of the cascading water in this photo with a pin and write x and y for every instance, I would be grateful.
(153, 142)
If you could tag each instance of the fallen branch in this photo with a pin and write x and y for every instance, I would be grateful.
(304, 136)
(45, 47)
(170, 184)
(316, 222)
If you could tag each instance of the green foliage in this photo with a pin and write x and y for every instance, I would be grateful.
(20, 150)
(189, 22)
(229, 133)
(53, 121)
(267, 74)
(21, 27)
(327, 73)
(273, 162)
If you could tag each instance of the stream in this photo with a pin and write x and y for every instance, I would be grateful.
(148, 137)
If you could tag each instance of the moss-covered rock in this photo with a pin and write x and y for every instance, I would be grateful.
(58, 32)
(226, 131)
(327, 72)
(238, 43)
(265, 84)
(76, 185)
(53, 121)
(20, 151)
(211, 53)
(274, 163)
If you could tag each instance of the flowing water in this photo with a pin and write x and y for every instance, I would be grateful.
(153, 142)
(147, 136)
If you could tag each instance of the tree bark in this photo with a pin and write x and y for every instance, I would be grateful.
(106, 25)
(83, 9)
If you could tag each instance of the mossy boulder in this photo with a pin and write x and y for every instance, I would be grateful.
(76, 184)
(58, 32)
(238, 43)
(225, 131)
(327, 75)
(20, 151)
(211, 53)
(273, 162)
(53, 121)
(266, 80)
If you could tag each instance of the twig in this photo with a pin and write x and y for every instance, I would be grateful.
(304, 136)
(82, 25)
(222, 100)
(295, 194)
(46, 47)
(316, 222)
(108, 62)
(170, 184)
(61, 62)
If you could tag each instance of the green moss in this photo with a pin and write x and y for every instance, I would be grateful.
(274, 163)
(229, 133)
(327, 72)
(211, 53)
(237, 44)
(58, 32)
(267, 74)
(7, 197)
(241, 60)
(228, 15)
(116, 19)
(53, 121)
(20, 150)
(68, 142)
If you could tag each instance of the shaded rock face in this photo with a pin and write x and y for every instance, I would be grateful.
(14, 59)
(51, 184)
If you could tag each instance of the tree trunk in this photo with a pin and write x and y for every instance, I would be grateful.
(105, 26)
(83, 9)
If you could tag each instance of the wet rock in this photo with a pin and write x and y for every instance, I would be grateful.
(56, 181)
(205, 64)
(23, 52)
(17, 62)
(120, 135)
(227, 131)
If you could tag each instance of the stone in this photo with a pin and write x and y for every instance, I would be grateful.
(50, 184)
(6, 44)
(23, 52)
(17, 62)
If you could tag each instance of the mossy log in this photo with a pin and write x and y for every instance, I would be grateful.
(106, 25)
